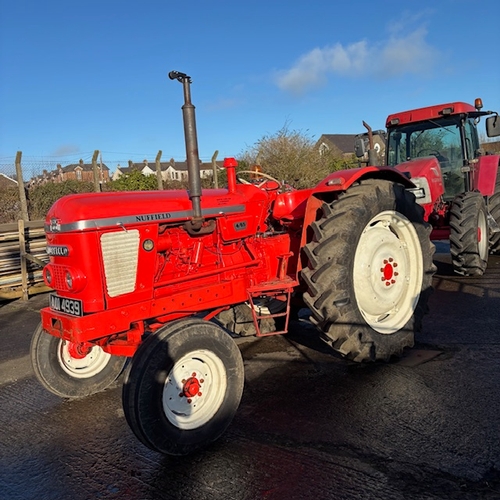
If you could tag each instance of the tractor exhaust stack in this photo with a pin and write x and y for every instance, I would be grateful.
(196, 225)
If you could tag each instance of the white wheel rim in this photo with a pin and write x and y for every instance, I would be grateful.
(194, 389)
(85, 367)
(482, 236)
(388, 272)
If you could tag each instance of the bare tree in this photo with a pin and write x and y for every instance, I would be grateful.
(292, 156)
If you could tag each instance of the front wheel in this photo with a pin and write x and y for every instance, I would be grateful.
(469, 234)
(369, 272)
(183, 386)
(70, 370)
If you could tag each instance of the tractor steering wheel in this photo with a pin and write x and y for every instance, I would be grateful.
(259, 184)
(433, 152)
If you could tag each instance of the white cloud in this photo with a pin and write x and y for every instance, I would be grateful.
(410, 54)
(399, 55)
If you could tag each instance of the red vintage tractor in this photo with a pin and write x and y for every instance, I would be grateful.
(467, 210)
(148, 276)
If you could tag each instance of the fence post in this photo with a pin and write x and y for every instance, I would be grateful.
(20, 184)
(24, 266)
(214, 166)
(97, 185)
(158, 170)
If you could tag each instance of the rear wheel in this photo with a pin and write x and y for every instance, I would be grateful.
(469, 234)
(494, 209)
(183, 387)
(369, 271)
(71, 370)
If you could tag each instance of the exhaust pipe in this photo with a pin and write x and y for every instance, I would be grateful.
(196, 225)
(372, 154)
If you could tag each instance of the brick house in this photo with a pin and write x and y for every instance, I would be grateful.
(81, 172)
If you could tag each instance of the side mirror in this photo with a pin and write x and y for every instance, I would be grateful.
(493, 126)
(359, 147)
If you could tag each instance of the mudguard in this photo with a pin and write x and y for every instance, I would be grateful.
(485, 174)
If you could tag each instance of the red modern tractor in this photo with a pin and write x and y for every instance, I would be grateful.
(151, 277)
(462, 201)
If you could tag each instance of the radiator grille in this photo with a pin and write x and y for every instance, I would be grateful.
(120, 254)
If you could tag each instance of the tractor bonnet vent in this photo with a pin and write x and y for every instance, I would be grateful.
(120, 255)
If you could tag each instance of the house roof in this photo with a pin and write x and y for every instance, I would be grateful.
(84, 166)
(343, 142)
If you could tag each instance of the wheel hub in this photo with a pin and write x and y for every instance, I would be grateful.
(81, 360)
(191, 387)
(194, 389)
(78, 351)
(388, 271)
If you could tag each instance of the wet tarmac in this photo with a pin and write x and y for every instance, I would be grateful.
(310, 426)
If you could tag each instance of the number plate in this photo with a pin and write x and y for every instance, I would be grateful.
(67, 306)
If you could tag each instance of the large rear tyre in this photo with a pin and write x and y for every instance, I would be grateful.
(469, 234)
(494, 209)
(369, 272)
(183, 387)
(69, 372)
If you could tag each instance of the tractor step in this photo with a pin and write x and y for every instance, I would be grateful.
(279, 290)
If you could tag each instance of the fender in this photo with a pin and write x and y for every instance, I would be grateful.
(344, 179)
(485, 174)
(340, 181)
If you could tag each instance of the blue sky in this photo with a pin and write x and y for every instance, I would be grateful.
(81, 75)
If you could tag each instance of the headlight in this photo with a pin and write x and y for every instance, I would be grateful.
(69, 280)
(47, 276)
(74, 279)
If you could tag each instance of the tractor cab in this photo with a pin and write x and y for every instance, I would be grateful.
(447, 132)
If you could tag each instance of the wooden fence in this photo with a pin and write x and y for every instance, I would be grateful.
(22, 257)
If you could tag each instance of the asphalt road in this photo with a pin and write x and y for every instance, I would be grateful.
(310, 426)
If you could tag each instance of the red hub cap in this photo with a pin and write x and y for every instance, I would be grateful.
(78, 351)
(388, 271)
(191, 387)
